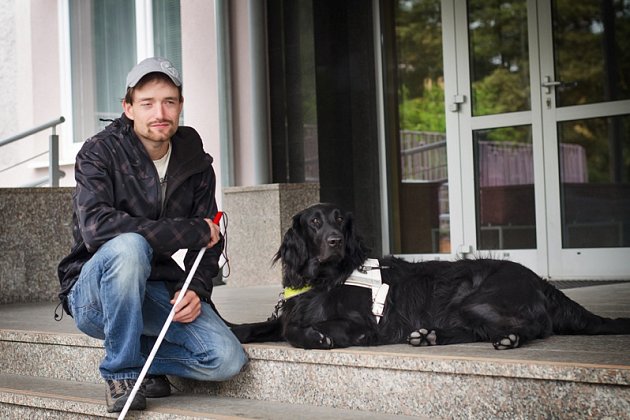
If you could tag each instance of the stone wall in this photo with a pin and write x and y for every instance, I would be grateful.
(258, 217)
(35, 234)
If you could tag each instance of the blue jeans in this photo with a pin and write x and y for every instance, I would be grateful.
(113, 301)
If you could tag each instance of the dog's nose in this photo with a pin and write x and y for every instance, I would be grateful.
(334, 241)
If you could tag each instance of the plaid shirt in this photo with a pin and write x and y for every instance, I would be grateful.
(118, 191)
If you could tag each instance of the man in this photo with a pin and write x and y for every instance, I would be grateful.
(145, 188)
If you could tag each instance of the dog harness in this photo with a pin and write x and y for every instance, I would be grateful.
(369, 277)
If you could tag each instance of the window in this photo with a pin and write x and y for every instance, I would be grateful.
(104, 39)
(167, 31)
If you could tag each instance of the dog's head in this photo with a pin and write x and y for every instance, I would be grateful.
(320, 248)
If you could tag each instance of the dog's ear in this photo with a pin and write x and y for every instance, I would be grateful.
(356, 250)
(288, 238)
(293, 254)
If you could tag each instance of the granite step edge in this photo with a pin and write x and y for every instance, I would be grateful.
(87, 399)
(393, 357)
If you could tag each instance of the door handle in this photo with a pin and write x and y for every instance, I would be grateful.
(549, 84)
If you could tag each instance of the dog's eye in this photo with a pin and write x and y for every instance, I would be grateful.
(339, 219)
(316, 222)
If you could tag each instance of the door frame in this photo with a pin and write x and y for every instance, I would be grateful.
(570, 263)
(460, 125)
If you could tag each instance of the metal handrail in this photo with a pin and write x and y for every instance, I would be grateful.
(54, 174)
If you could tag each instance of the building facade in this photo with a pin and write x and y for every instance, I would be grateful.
(449, 128)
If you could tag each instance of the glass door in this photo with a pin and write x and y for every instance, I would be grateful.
(497, 114)
(541, 101)
(511, 132)
(585, 88)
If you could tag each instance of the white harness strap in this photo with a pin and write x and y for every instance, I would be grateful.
(369, 276)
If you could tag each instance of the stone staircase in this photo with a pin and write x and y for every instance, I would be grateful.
(50, 370)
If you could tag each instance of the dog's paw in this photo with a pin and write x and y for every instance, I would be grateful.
(359, 340)
(319, 341)
(422, 337)
(325, 341)
(510, 341)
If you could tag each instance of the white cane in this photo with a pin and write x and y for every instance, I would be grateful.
(156, 346)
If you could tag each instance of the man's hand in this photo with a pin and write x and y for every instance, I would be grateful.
(188, 309)
(215, 233)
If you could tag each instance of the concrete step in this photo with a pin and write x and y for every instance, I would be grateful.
(23, 397)
(576, 376)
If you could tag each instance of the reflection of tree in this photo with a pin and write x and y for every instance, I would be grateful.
(590, 39)
(577, 52)
(420, 65)
(499, 56)
(498, 52)
(500, 91)
(590, 49)
(425, 113)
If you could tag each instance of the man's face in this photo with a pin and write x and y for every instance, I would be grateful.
(155, 111)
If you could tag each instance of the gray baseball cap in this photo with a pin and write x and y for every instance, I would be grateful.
(152, 65)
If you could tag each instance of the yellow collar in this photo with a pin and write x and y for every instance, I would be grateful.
(290, 292)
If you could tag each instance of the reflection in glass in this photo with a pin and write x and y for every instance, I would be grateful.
(293, 91)
(499, 60)
(591, 54)
(102, 50)
(167, 31)
(423, 188)
(504, 176)
(595, 182)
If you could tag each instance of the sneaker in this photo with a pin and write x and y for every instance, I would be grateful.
(118, 393)
(156, 386)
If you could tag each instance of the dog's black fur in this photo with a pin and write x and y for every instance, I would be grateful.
(429, 303)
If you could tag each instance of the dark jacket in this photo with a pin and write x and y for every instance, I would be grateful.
(118, 191)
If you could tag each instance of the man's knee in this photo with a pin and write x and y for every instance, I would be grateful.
(233, 361)
(223, 363)
(129, 256)
(132, 246)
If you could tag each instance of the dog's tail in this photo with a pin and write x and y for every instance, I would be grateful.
(569, 317)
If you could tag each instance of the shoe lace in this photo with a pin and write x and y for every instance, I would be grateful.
(120, 387)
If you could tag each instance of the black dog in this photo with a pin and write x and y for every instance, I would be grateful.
(428, 303)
